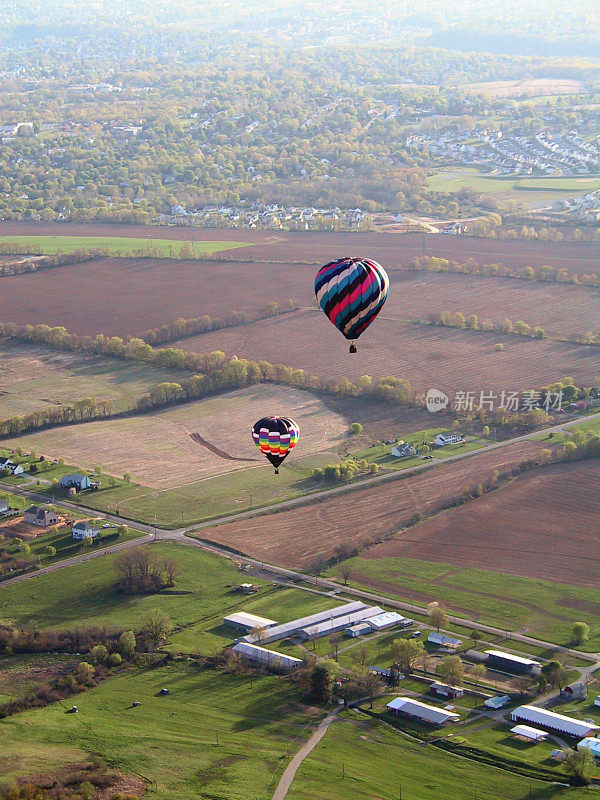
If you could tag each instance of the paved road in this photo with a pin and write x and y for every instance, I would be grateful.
(292, 768)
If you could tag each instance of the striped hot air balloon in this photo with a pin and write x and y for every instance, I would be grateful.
(275, 437)
(352, 291)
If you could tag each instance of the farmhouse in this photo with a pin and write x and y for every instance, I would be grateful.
(78, 482)
(506, 662)
(413, 709)
(14, 469)
(291, 628)
(498, 701)
(442, 439)
(83, 529)
(260, 655)
(403, 450)
(444, 642)
(552, 721)
(4, 507)
(445, 690)
(40, 515)
(242, 621)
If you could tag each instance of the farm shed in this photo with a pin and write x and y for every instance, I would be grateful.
(358, 630)
(388, 620)
(529, 734)
(554, 722)
(497, 702)
(338, 623)
(242, 621)
(444, 642)
(445, 690)
(591, 744)
(413, 709)
(507, 662)
(270, 658)
(291, 628)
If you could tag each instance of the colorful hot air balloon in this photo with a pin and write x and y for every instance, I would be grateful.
(275, 437)
(352, 291)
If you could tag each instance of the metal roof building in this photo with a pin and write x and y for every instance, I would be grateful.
(530, 734)
(338, 623)
(498, 659)
(552, 721)
(387, 620)
(593, 745)
(421, 711)
(291, 628)
(243, 621)
(270, 658)
(441, 640)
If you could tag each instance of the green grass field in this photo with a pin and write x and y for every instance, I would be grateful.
(215, 736)
(536, 189)
(364, 759)
(508, 602)
(84, 595)
(119, 246)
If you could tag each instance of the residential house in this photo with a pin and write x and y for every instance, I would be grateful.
(11, 466)
(40, 515)
(83, 529)
(74, 481)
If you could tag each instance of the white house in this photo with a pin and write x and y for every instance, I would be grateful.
(444, 642)
(442, 439)
(14, 469)
(4, 507)
(403, 450)
(83, 529)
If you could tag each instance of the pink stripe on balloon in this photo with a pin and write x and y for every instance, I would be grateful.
(350, 298)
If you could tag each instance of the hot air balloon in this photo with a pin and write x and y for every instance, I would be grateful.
(275, 437)
(352, 291)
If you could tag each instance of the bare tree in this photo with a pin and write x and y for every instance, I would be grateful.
(437, 617)
(157, 626)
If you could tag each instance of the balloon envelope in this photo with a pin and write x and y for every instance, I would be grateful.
(275, 437)
(352, 291)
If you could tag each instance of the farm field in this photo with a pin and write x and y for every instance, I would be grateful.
(448, 359)
(165, 290)
(192, 743)
(542, 525)
(560, 308)
(526, 190)
(158, 450)
(303, 536)
(534, 87)
(390, 249)
(353, 761)
(115, 245)
(35, 378)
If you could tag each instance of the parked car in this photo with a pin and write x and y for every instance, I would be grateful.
(415, 634)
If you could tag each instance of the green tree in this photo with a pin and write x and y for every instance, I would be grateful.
(580, 632)
(356, 428)
(321, 683)
(98, 654)
(476, 673)
(406, 652)
(50, 551)
(127, 644)
(437, 617)
(451, 670)
(579, 763)
(85, 672)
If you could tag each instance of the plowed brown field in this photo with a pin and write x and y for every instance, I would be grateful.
(430, 357)
(299, 536)
(542, 525)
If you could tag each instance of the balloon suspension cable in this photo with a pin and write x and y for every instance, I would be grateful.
(352, 348)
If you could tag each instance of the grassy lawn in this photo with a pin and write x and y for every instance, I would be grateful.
(364, 759)
(381, 453)
(84, 594)
(506, 601)
(119, 246)
(215, 736)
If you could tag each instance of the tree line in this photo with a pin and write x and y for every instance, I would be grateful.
(22, 265)
(456, 319)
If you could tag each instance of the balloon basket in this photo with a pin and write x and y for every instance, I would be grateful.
(352, 348)
(276, 472)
